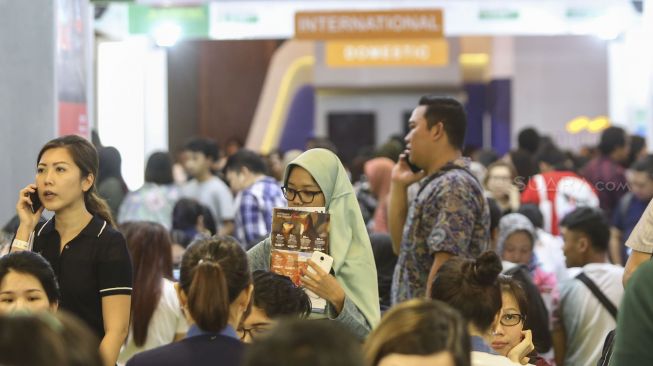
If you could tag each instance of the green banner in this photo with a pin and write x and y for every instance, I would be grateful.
(193, 20)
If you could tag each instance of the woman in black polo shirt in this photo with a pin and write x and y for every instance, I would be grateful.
(88, 255)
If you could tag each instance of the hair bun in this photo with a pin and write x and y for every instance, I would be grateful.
(487, 267)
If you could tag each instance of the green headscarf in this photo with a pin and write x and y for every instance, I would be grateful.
(349, 243)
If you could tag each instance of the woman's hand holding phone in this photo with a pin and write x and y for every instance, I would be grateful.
(28, 211)
(324, 285)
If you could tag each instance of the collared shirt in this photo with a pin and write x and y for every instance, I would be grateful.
(449, 214)
(228, 331)
(609, 180)
(93, 265)
(479, 345)
(254, 210)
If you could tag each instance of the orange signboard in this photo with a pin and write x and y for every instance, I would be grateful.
(425, 23)
(413, 52)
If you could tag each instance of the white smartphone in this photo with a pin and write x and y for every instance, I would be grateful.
(324, 261)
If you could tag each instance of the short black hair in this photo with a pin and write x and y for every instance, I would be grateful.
(158, 169)
(452, 115)
(246, 159)
(591, 222)
(278, 296)
(205, 146)
(306, 342)
(533, 213)
(528, 139)
(644, 165)
(184, 219)
(551, 155)
(612, 138)
(33, 264)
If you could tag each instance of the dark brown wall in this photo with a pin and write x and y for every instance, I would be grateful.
(183, 93)
(214, 88)
(231, 78)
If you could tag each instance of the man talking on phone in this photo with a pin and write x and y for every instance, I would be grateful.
(449, 216)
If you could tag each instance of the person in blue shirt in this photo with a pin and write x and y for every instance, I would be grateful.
(214, 290)
(631, 207)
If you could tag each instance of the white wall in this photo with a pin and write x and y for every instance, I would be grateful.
(557, 79)
(27, 93)
(132, 103)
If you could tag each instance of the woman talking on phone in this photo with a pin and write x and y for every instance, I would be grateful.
(88, 255)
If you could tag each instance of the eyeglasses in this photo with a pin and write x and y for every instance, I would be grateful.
(304, 196)
(252, 332)
(510, 320)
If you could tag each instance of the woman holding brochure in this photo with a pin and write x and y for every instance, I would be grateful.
(317, 178)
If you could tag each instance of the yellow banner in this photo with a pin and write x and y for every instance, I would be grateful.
(425, 23)
(415, 52)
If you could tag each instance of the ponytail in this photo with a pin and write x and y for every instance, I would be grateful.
(98, 206)
(214, 273)
(208, 297)
(471, 286)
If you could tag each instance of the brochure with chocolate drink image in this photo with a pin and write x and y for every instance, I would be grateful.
(296, 234)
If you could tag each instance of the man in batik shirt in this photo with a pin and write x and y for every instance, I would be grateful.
(449, 215)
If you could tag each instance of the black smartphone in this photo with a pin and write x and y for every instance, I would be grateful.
(412, 166)
(36, 201)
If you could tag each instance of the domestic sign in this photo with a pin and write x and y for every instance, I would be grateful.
(426, 23)
(399, 52)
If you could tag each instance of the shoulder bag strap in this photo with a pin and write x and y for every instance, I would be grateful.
(599, 294)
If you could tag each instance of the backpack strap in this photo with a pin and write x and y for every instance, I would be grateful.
(609, 306)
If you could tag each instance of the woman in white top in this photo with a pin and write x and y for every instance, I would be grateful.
(156, 314)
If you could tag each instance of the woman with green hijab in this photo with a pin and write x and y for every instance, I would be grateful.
(317, 178)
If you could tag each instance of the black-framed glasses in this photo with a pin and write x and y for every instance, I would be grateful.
(510, 320)
(252, 332)
(304, 196)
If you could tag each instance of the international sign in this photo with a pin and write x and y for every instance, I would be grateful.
(425, 23)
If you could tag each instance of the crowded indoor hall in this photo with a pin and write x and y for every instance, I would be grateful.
(356, 183)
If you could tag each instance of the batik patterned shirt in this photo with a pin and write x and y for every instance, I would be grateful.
(449, 214)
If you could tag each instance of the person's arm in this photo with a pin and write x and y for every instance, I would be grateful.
(259, 256)
(397, 211)
(559, 344)
(115, 312)
(402, 177)
(438, 260)
(225, 205)
(351, 318)
(636, 258)
(28, 219)
(615, 246)
(227, 228)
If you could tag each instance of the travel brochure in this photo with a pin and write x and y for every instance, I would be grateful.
(296, 234)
